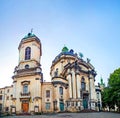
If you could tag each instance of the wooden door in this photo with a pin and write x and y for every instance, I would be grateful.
(25, 107)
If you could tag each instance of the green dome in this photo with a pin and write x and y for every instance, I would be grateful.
(65, 49)
(29, 35)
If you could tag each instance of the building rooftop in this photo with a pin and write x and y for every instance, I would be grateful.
(65, 49)
(29, 35)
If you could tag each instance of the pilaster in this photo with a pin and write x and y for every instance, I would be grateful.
(74, 84)
(70, 84)
(78, 84)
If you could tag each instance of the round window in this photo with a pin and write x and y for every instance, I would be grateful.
(26, 66)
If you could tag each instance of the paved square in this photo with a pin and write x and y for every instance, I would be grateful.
(72, 115)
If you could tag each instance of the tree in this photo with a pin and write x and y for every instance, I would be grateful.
(114, 85)
(111, 94)
(107, 100)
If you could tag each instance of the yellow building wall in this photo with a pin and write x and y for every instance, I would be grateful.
(6, 98)
(35, 55)
(34, 88)
(47, 86)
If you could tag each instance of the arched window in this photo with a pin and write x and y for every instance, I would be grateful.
(61, 90)
(27, 53)
(25, 88)
(83, 85)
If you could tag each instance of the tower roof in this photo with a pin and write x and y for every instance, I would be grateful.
(29, 35)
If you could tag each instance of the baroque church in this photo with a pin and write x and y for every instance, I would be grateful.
(72, 87)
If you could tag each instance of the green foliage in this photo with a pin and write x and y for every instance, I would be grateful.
(114, 80)
(111, 94)
(107, 99)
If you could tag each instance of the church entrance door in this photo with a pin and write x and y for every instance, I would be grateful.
(25, 107)
(61, 106)
(85, 101)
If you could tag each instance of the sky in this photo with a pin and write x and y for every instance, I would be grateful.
(91, 27)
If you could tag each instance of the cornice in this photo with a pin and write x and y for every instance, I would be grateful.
(59, 78)
(61, 83)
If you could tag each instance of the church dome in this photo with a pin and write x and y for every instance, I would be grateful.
(29, 35)
(65, 49)
(65, 52)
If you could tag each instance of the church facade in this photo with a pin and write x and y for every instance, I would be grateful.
(72, 86)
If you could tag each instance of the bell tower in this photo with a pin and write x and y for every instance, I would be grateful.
(28, 75)
(29, 52)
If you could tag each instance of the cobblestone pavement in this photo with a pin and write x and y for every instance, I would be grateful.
(72, 115)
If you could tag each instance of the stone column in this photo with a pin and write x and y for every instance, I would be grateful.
(37, 88)
(78, 84)
(14, 89)
(93, 89)
(92, 92)
(70, 87)
(74, 84)
(61, 66)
